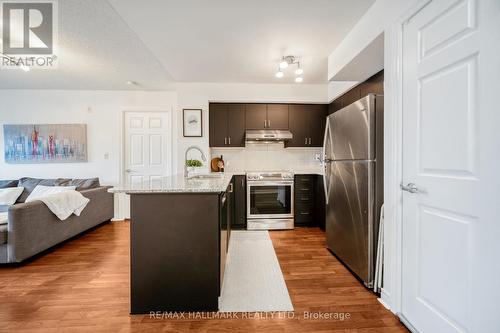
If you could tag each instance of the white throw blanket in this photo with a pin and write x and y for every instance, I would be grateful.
(63, 204)
(4, 217)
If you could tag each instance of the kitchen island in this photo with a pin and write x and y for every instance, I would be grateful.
(178, 243)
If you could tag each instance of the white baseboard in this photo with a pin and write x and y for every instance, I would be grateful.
(384, 304)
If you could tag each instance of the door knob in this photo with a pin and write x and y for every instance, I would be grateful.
(410, 187)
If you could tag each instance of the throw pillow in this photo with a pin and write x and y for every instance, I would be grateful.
(81, 184)
(8, 196)
(8, 183)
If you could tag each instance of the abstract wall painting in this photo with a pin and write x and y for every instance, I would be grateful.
(51, 143)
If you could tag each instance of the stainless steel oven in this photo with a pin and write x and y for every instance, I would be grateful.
(270, 200)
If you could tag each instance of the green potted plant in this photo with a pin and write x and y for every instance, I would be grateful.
(193, 166)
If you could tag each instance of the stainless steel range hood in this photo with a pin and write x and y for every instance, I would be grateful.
(267, 135)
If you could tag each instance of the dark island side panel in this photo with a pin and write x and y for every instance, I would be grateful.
(174, 252)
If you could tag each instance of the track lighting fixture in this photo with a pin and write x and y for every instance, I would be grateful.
(288, 61)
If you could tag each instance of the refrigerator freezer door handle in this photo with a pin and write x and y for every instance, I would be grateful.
(326, 160)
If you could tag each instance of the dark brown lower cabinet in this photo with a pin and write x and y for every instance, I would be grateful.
(309, 201)
(239, 203)
(320, 203)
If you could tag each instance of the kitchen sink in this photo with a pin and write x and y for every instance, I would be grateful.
(206, 176)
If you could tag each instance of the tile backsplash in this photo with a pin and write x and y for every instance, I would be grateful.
(268, 157)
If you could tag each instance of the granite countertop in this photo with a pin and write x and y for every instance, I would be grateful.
(179, 184)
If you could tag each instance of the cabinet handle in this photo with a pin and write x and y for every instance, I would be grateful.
(265, 123)
(230, 187)
(242, 182)
(225, 141)
(268, 124)
(309, 140)
(304, 213)
(305, 142)
(229, 139)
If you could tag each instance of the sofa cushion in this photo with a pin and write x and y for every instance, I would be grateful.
(3, 228)
(3, 234)
(8, 183)
(81, 184)
(29, 185)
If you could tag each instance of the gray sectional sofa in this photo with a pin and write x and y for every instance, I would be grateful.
(32, 228)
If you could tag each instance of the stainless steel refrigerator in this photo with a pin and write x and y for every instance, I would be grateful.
(353, 180)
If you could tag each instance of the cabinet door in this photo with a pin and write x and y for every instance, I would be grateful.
(236, 125)
(277, 116)
(320, 202)
(299, 123)
(351, 96)
(335, 105)
(217, 124)
(256, 116)
(230, 210)
(239, 220)
(374, 85)
(317, 122)
(304, 200)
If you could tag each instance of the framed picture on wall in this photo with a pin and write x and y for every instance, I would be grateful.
(45, 143)
(193, 122)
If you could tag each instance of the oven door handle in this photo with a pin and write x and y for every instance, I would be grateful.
(269, 183)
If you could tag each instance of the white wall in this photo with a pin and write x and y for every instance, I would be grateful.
(198, 95)
(375, 21)
(100, 110)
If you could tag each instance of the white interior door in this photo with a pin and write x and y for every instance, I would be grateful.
(147, 148)
(451, 139)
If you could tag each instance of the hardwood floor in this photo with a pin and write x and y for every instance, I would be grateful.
(83, 286)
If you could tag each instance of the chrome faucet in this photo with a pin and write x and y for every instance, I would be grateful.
(204, 159)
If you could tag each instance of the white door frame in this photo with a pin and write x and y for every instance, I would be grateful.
(391, 294)
(120, 213)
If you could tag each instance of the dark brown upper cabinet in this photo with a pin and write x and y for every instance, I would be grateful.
(256, 116)
(317, 122)
(277, 116)
(217, 124)
(267, 116)
(226, 125)
(373, 85)
(307, 124)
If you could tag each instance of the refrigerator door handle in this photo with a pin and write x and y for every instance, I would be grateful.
(325, 160)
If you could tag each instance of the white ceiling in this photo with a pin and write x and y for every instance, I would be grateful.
(96, 51)
(156, 42)
(241, 40)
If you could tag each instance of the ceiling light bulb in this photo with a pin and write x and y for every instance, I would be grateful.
(283, 64)
(279, 74)
(25, 68)
(299, 71)
(299, 79)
